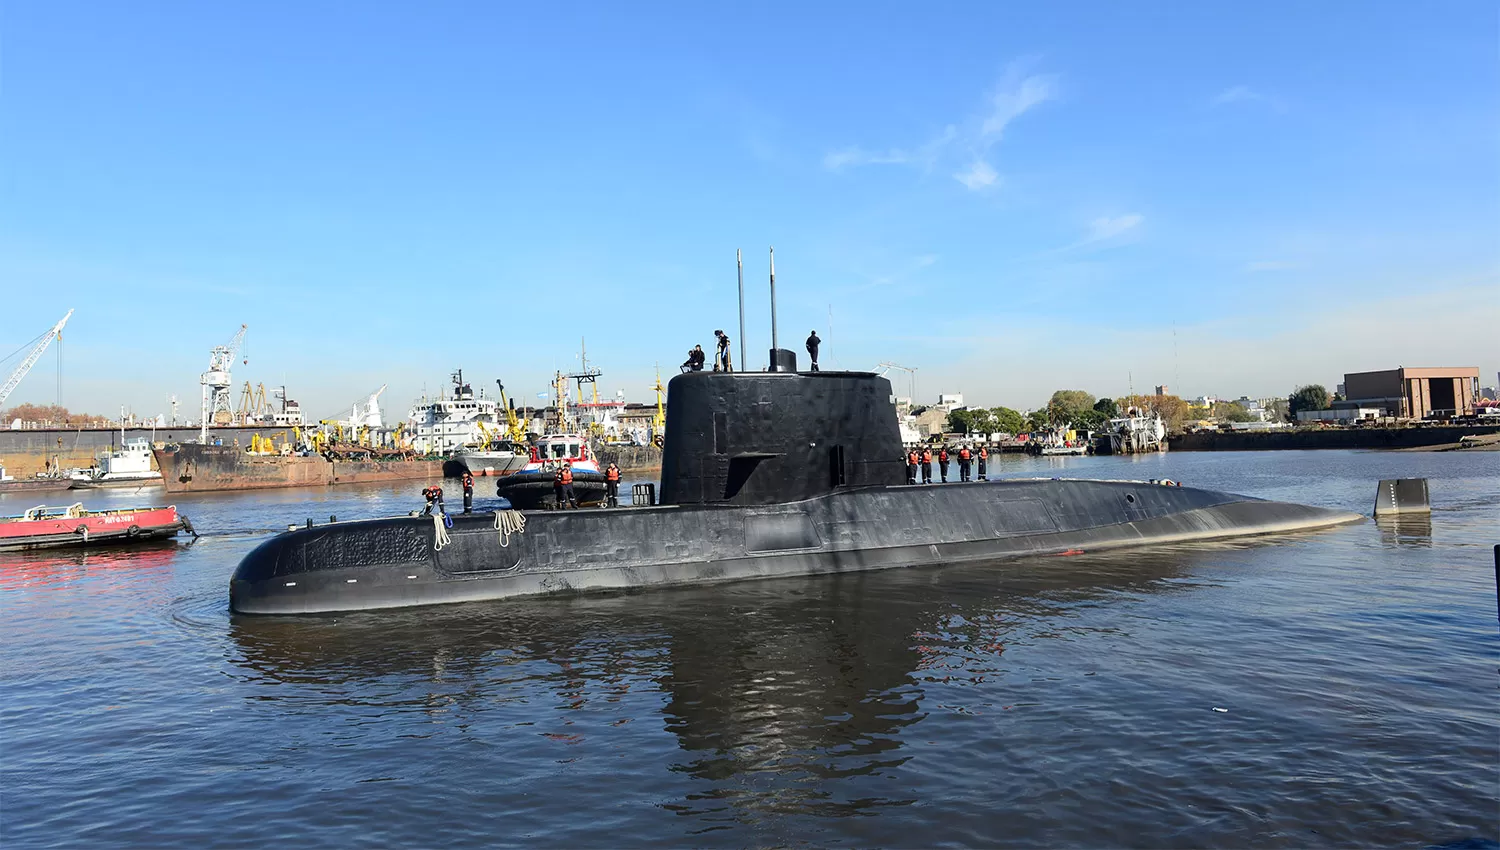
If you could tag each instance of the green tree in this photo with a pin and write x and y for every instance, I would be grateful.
(960, 421)
(1107, 407)
(1007, 420)
(1067, 405)
(1091, 420)
(1036, 420)
(1309, 397)
(1228, 411)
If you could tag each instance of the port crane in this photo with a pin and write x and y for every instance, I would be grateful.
(883, 368)
(217, 407)
(38, 346)
(514, 432)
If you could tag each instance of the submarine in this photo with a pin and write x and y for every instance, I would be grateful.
(764, 475)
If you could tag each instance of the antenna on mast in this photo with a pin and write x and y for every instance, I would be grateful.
(739, 265)
(774, 347)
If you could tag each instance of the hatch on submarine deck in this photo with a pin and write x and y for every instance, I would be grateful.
(764, 474)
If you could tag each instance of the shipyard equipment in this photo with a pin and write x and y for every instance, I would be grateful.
(38, 346)
(217, 407)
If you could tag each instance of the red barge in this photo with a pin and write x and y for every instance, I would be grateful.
(45, 527)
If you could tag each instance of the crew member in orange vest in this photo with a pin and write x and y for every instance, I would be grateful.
(434, 496)
(984, 455)
(468, 482)
(943, 463)
(612, 481)
(927, 466)
(557, 491)
(963, 463)
(911, 467)
(567, 485)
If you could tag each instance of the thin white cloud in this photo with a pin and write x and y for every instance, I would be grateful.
(978, 175)
(853, 157)
(924, 156)
(1245, 94)
(973, 140)
(1013, 98)
(1106, 227)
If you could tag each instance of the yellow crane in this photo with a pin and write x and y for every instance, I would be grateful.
(514, 431)
(659, 421)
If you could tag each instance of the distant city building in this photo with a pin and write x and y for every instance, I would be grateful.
(1413, 393)
(1338, 390)
(1162, 390)
(1206, 401)
(951, 400)
(1488, 392)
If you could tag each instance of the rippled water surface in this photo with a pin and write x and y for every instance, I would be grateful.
(1327, 689)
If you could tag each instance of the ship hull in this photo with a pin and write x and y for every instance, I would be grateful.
(92, 529)
(192, 468)
(482, 464)
(395, 563)
(35, 485)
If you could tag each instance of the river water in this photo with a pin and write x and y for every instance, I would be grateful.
(1327, 689)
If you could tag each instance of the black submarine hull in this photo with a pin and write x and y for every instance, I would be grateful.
(389, 563)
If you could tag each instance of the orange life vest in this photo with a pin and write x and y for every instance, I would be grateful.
(911, 458)
(963, 454)
(984, 453)
(927, 456)
(943, 455)
(612, 474)
(567, 476)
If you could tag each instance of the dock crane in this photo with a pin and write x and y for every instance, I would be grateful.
(514, 431)
(883, 368)
(38, 346)
(217, 407)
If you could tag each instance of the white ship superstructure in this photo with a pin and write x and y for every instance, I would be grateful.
(450, 422)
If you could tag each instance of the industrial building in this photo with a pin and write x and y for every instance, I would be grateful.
(1414, 393)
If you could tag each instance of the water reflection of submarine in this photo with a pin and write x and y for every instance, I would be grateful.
(829, 673)
(764, 474)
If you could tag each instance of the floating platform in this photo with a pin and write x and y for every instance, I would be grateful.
(194, 468)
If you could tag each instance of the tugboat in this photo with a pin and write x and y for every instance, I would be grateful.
(531, 487)
(128, 466)
(764, 475)
(44, 527)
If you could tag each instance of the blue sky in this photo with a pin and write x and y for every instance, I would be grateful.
(1013, 198)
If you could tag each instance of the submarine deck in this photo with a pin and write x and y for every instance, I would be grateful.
(397, 562)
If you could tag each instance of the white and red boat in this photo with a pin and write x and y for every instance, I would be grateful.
(532, 485)
(44, 526)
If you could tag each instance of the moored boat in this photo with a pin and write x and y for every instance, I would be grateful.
(127, 466)
(495, 458)
(50, 480)
(196, 468)
(72, 525)
(532, 486)
(1134, 433)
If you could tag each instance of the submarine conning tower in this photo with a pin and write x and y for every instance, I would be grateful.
(761, 438)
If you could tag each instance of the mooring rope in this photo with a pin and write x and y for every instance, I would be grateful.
(439, 532)
(508, 523)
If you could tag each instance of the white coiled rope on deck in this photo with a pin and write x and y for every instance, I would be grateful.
(440, 536)
(508, 523)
